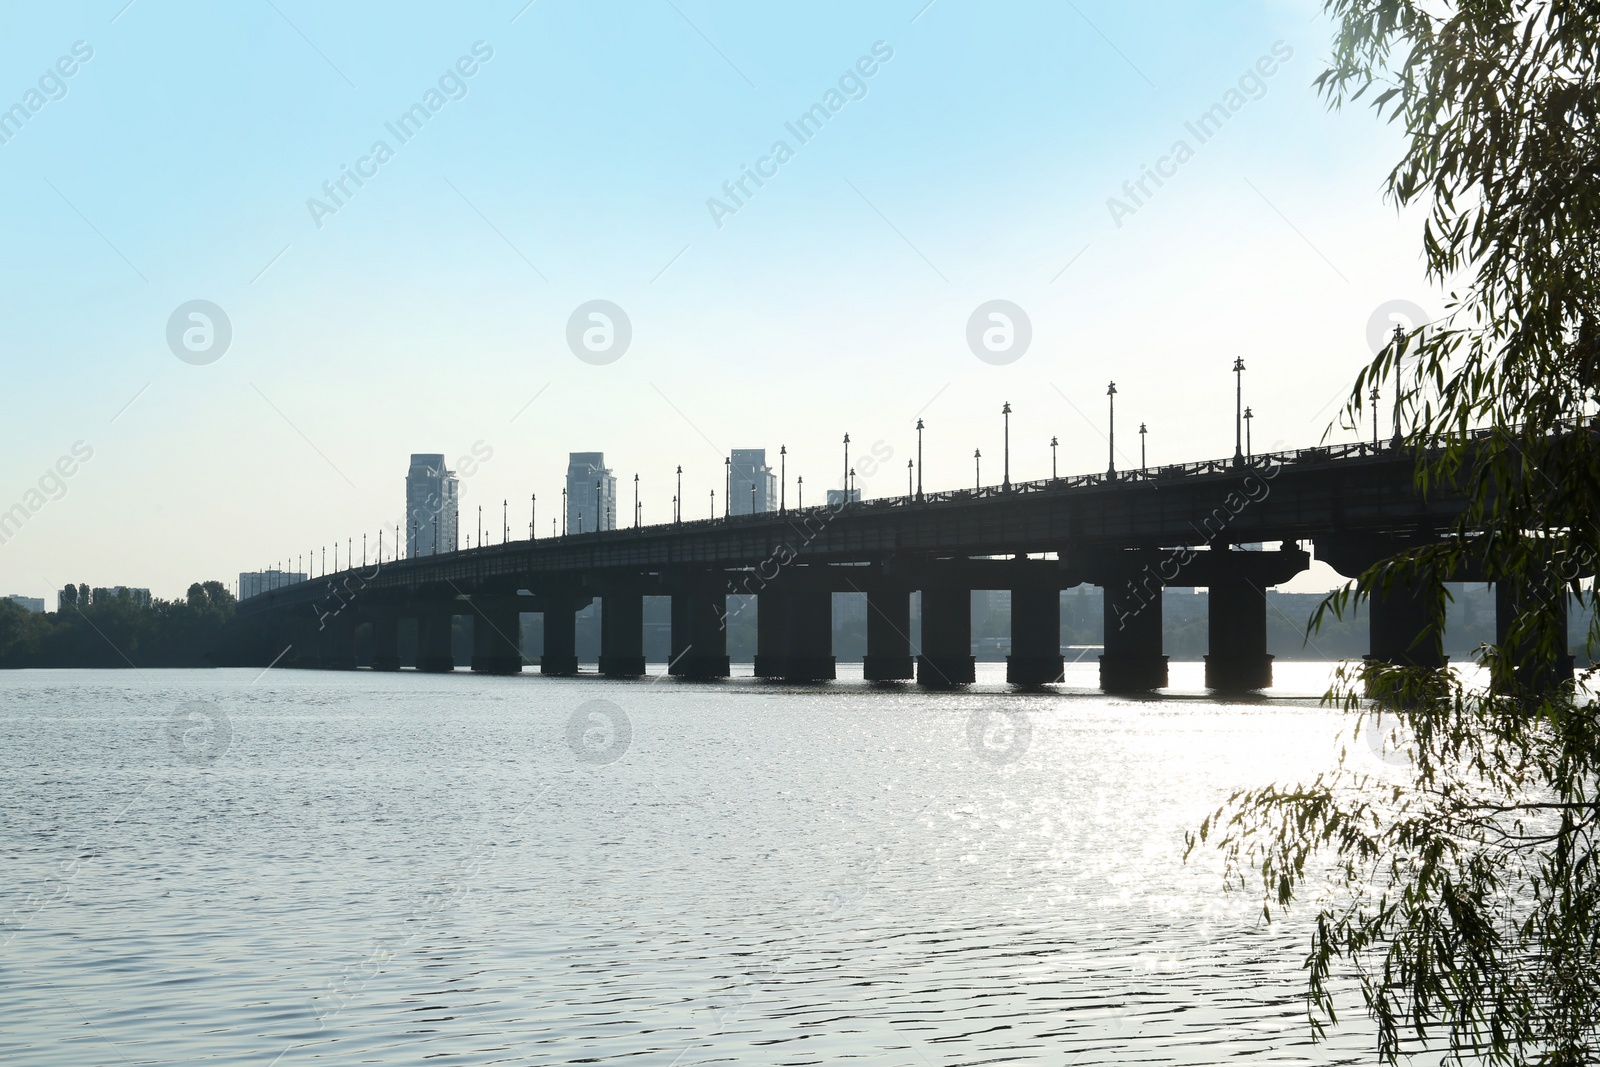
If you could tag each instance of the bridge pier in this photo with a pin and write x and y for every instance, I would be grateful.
(496, 636)
(1532, 673)
(1035, 636)
(773, 633)
(888, 657)
(1238, 659)
(435, 650)
(1132, 661)
(336, 645)
(699, 637)
(622, 635)
(810, 654)
(947, 658)
(1400, 625)
(560, 655)
(385, 641)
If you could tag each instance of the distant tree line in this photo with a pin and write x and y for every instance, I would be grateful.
(106, 628)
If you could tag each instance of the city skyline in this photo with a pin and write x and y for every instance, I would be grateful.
(851, 274)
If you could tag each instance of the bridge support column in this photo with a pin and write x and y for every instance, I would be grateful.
(1132, 662)
(1035, 636)
(386, 641)
(435, 650)
(337, 642)
(1398, 624)
(888, 657)
(496, 636)
(947, 658)
(810, 636)
(699, 638)
(1532, 673)
(774, 633)
(1238, 659)
(560, 656)
(622, 635)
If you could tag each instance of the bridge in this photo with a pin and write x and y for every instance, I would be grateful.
(1132, 533)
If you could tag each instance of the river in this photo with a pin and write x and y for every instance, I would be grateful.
(316, 867)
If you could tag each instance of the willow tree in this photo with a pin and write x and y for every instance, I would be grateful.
(1455, 882)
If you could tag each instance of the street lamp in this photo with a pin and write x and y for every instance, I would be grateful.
(563, 512)
(713, 503)
(1238, 411)
(1111, 438)
(1143, 466)
(847, 468)
(1399, 347)
(505, 519)
(533, 515)
(480, 525)
(919, 459)
(800, 492)
(752, 496)
(599, 517)
(783, 474)
(909, 464)
(851, 486)
(727, 486)
(977, 470)
(1249, 452)
(1374, 417)
(635, 501)
(1005, 411)
(677, 501)
(435, 536)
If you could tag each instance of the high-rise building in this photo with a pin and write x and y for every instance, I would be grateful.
(252, 583)
(432, 493)
(591, 493)
(749, 468)
(34, 604)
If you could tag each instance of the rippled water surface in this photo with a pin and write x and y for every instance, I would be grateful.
(383, 869)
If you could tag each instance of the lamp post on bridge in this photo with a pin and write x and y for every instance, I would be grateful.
(480, 525)
(636, 501)
(909, 465)
(599, 506)
(1249, 451)
(1399, 349)
(1238, 411)
(919, 459)
(505, 519)
(800, 492)
(1053, 443)
(1005, 452)
(563, 511)
(1374, 397)
(977, 471)
(783, 475)
(713, 504)
(1111, 437)
(847, 468)
(533, 515)
(435, 536)
(727, 487)
(677, 501)
(1143, 466)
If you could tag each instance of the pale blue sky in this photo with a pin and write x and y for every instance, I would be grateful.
(427, 312)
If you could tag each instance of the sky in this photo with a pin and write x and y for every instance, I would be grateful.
(563, 152)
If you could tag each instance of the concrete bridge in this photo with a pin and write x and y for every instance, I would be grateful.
(1132, 533)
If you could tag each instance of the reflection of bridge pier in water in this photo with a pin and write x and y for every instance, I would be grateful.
(1133, 535)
